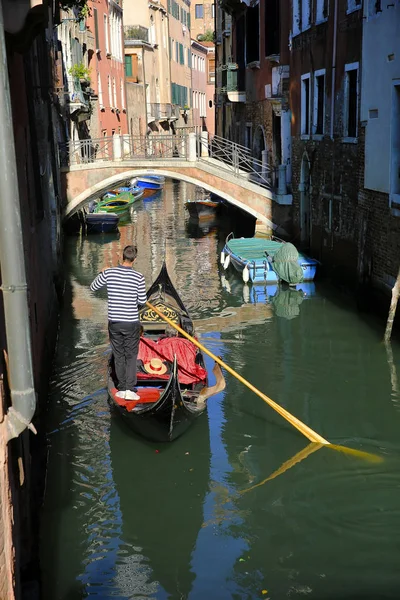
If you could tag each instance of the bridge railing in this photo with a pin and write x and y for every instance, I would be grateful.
(237, 160)
(124, 147)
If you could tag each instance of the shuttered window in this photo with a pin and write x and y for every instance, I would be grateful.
(131, 67)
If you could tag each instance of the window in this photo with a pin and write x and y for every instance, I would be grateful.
(114, 105)
(199, 11)
(272, 27)
(248, 136)
(152, 32)
(181, 54)
(301, 16)
(305, 104)
(176, 51)
(99, 91)
(213, 11)
(305, 14)
(353, 5)
(211, 70)
(319, 102)
(210, 104)
(296, 25)
(122, 91)
(253, 34)
(351, 100)
(131, 67)
(106, 34)
(322, 11)
(96, 29)
(109, 91)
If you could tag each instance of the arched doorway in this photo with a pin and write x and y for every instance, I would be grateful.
(305, 201)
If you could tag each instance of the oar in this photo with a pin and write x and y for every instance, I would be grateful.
(312, 435)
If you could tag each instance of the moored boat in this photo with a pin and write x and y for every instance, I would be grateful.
(256, 256)
(151, 182)
(117, 202)
(101, 222)
(171, 377)
(202, 209)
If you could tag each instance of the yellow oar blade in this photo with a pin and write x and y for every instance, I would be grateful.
(309, 433)
(375, 458)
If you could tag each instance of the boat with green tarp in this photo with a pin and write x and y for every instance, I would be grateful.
(268, 260)
(117, 204)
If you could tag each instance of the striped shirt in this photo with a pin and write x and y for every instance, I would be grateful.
(125, 289)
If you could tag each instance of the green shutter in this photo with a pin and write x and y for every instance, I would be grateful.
(170, 47)
(169, 6)
(232, 80)
(185, 98)
(189, 58)
(188, 20)
(181, 54)
(96, 29)
(128, 65)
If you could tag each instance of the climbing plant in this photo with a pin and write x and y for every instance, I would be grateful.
(80, 7)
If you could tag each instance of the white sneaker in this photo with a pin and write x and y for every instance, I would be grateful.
(121, 394)
(131, 395)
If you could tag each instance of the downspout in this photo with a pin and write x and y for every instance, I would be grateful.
(12, 264)
(335, 13)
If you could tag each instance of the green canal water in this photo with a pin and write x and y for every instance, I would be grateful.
(232, 509)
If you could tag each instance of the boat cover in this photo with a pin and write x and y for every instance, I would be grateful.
(285, 264)
(165, 349)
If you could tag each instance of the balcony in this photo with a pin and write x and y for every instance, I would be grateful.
(77, 99)
(230, 83)
(136, 33)
(157, 111)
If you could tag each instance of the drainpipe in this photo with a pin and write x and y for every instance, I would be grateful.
(335, 13)
(12, 264)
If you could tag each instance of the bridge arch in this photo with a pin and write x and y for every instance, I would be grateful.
(101, 187)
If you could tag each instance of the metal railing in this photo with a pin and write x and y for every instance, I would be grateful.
(161, 111)
(124, 147)
(136, 33)
(238, 160)
(74, 92)
(226, 155)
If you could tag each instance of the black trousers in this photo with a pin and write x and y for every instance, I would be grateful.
(124, 340)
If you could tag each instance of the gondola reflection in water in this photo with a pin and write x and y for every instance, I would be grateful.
(176, 396)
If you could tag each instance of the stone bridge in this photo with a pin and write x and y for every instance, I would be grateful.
(91, 167)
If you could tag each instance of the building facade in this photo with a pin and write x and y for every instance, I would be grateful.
(106, 68)
(379, 195)
(147, 67)
(180, 56)
(327, 136)
(252, 90)
(202, 19)
(199, 86)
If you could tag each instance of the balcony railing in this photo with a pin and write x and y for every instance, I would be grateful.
(136, 33)
(162, 111)
(75, 95)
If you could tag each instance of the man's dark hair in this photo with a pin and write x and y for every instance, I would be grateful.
(130, 253)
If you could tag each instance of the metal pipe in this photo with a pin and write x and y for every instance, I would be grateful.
(12, 263)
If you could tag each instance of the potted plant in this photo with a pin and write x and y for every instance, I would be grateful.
(79, 71)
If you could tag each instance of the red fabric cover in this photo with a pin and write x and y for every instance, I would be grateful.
(165, 349)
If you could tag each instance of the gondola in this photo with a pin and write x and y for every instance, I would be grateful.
(170, 401)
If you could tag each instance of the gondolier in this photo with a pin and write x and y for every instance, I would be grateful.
(126, 293)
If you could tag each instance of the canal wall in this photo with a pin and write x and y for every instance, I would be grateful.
(22, 460)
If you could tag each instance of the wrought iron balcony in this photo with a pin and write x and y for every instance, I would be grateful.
(136, 33)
